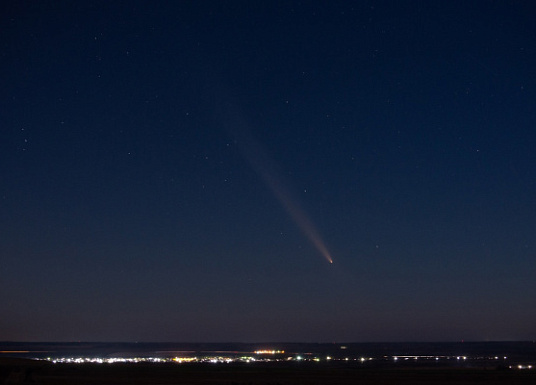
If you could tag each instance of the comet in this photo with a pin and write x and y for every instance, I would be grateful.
(263, 164)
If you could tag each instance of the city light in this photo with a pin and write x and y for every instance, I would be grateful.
(274, 355)
(269, 351)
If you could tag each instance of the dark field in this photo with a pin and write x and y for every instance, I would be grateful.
(18, 371)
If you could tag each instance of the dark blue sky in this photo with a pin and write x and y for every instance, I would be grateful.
(152, 154)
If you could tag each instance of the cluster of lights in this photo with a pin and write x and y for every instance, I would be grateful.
(180, 360)
(98, 360)
(437, 358)
(209, 359)
(215, 360)
(328, 358)
(269, 351)
(247, 359)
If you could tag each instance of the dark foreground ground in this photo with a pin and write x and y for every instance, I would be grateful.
(18, 371)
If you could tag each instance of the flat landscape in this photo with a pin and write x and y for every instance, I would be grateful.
(21, 371)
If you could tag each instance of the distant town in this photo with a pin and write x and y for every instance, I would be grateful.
(280, 356)
(501, 355)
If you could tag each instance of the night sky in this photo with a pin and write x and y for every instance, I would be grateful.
(184, 171)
